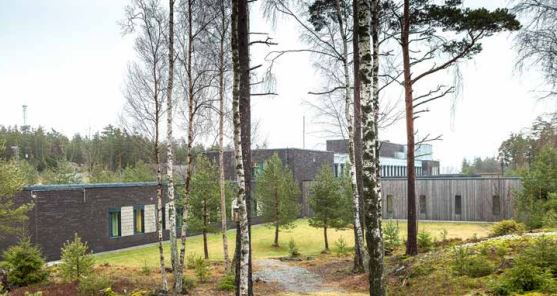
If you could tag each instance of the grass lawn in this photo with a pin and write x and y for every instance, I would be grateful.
(308, 239)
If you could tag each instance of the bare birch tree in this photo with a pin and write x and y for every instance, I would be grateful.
(196, 79)
(145, 93)
(371, 189)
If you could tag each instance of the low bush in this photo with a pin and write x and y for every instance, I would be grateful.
(293, 249)
(524, 277)
(227, 283)
(25, 264)
(541, 253)
(425, 241)
(95, 285)
(200, 266)
(466, 263)
(77, 261)
(443, 234)
(505, 227)
(341, 247)
(188, 284)
(391, 236)
(145, 269)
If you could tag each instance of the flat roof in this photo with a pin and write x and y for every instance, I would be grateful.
(52, 187)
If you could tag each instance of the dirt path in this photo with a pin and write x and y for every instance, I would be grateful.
(290, 278)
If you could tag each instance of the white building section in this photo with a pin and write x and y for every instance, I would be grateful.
(127, 221)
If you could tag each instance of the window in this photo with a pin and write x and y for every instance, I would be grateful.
(115, 223)
(423, 206)
(139, 219)
(457, 205)
(163, 220)
(496, 205)
(390, 204)
(341, 173)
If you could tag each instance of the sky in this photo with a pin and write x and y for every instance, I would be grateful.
(66, 60)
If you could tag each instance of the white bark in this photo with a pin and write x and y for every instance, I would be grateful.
(221, 141)
(370, 168)
(349, 107)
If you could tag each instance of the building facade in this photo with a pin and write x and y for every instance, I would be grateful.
(392, 159)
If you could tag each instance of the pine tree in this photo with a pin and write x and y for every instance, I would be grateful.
(204, 200)
(77, 261)
(277, 195)
(330, 205)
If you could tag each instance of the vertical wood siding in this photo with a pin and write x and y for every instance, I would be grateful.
(476, 197)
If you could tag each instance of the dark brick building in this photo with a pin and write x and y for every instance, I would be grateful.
(106, 216)
(304, 165)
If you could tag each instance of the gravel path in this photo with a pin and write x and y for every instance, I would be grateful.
(290, 278)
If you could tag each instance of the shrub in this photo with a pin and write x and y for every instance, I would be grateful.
(227, 283)
(188, 284)
(200, 266)
(341, 247)
(293, 249)
(94, 285)
(77, 261)
(541, 253)
(391, 237)
(145, 270)
(524, 277)
(465, 263)
(505, 227)
(25, 264)
(443, 234)
(425, 241)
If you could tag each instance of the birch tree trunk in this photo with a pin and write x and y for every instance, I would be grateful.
(359, 252)
(221, 140)
(240, 55)
(169, 140)
(412, 241)
(189, 158)
(371, 190)
(160, 226)
(357, 114)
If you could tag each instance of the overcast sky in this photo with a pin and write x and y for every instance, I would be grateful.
(66, 60)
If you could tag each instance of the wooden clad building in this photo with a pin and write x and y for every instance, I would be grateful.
(452, 198)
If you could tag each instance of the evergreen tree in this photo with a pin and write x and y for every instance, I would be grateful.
(12, 180)
(277, 195)
(77, 262)
(205, 199)
(331, 205)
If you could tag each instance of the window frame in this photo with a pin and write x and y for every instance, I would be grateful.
(496, 211)
(142, 209)
(390, 204)
(423, 210)
(111, 211)
(459, 207)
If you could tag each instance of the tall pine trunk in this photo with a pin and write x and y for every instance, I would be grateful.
(326, 238)
(359, 253)
(371, 190)
(412, 241)
(240, 61)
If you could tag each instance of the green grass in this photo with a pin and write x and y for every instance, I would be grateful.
(308, 239)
